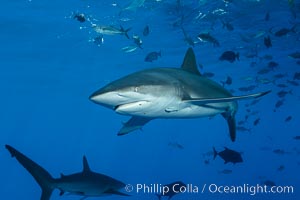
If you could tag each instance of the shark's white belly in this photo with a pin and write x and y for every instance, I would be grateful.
(169, 108)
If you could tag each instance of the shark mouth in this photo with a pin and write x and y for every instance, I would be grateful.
(132, 106)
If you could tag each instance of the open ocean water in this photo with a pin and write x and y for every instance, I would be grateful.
(52, 60)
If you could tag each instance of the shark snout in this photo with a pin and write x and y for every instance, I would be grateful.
(93, 97)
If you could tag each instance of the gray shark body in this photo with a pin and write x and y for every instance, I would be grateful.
(169, 93)
(86, 183)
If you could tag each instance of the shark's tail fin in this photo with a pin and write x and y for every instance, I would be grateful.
(42, 177)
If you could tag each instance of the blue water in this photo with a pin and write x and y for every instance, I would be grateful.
(50, 65)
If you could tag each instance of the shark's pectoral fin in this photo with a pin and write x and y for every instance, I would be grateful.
(133, 124)
(116, 192)
(231, 125)
(202, 101)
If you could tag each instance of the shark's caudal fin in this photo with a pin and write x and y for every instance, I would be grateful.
(42, 177)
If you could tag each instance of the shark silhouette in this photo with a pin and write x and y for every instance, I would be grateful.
(169, 93)
(86, 183)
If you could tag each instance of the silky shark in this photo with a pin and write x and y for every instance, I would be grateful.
(86, 183)
(169, 93)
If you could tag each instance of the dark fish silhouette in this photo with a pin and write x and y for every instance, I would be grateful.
(279, 103)
(269, 183)
(282, 93)
(285, 31)
(146, 31)
(296, 76)
(227, 82)
(98, 40)
(227, 25)
(268, 42)
(295, 55)
(152, 56)
(80, 17)
(86, 183)
(230, 56)
(280, 152)
(281, 168)
(206, 37)
(229, 155)
(264, 71)
(173, 187)
(296, 137)
(280, 75)
(289, 118)
(281, 85)
(272, 65)
(256, 122)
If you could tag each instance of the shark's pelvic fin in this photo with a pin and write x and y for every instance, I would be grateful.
(133, 124)
(42, 177)
(86, 167)
(189, 63)
(202, 101)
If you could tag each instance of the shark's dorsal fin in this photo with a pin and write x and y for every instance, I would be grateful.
(86, 167)
(189, 63)
(62, 175)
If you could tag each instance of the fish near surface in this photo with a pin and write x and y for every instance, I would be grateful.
(86, 183)
(206, 37)
(169, 93)
(111, 30)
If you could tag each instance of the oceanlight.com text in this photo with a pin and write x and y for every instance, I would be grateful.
(247, 189)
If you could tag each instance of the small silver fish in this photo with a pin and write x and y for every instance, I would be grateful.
(111, 30)
(129, 49)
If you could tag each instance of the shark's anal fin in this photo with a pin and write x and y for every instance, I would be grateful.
(231, 125)
(189, 63)
(133, 124)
